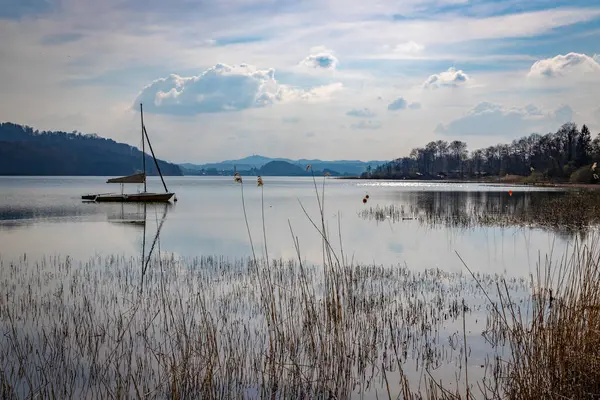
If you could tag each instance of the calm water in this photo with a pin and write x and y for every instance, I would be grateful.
(45, 216)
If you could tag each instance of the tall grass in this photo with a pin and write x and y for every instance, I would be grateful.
(556, 353)
(568, 212)
(200, 328)
(555, 350)
(209, 327)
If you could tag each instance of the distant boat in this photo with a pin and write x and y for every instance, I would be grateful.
(138, 178)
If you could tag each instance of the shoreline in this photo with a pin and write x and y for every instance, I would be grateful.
(589, 186)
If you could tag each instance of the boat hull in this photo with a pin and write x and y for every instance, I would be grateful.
(135, 197)
(92, 196)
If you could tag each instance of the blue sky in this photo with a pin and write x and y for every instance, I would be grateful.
(332, 79)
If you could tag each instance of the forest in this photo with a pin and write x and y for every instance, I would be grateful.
(25, 151)
(567, 154)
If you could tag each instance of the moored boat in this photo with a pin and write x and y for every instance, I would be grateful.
(135, 197)
(137, 178)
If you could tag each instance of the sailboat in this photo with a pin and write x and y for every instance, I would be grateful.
(138, 178)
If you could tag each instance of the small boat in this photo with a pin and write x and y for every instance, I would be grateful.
(137, 178)
(92, 197)
(135, 197)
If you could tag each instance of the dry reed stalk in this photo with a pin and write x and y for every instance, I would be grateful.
(260, 328)
(554, 352)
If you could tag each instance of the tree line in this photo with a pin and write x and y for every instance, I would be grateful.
(553, 156)
(25, 151)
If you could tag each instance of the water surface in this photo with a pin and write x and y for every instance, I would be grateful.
(74, 266)
(45, 216)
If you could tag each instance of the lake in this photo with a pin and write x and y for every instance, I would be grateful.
(45, 216)
(82, 313)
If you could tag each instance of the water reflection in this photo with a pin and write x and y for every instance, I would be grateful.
(135, 215)
(146, 260)
(564, 213)
(27, 214)
(120, 229)
(15, 214)
(414, 305)
(209, 220)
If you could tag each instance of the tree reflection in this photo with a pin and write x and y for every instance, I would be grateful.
(562, 212)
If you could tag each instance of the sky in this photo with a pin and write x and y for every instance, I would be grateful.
(327, 79)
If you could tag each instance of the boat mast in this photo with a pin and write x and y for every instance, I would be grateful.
(144, 132)
(143, 147)
(155, 162)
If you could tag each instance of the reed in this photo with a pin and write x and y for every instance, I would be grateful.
(569, 212)
(210, 327)
(555, 350)
(200, 328)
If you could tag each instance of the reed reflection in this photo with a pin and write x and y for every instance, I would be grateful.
(566, 212)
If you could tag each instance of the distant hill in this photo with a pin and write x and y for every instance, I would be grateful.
(243, 164)
(281, 168)
(272, 168)
(24, 151)
(255, 162)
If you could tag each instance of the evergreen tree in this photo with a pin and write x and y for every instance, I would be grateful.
(583, 149)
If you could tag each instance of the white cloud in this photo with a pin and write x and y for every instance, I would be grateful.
(398, 104)
(450, 78)
(493, 119)
(318, 93)
(118, 54)
(532, 110)
(321, 59)
(401, 104)
(223, 88)
(410, 47)
(363, 113)
(368, 124)
(571, 64)
(220, 88)
(360, 37)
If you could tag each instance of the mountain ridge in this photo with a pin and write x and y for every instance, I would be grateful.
(255, 162)
(25, 151)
